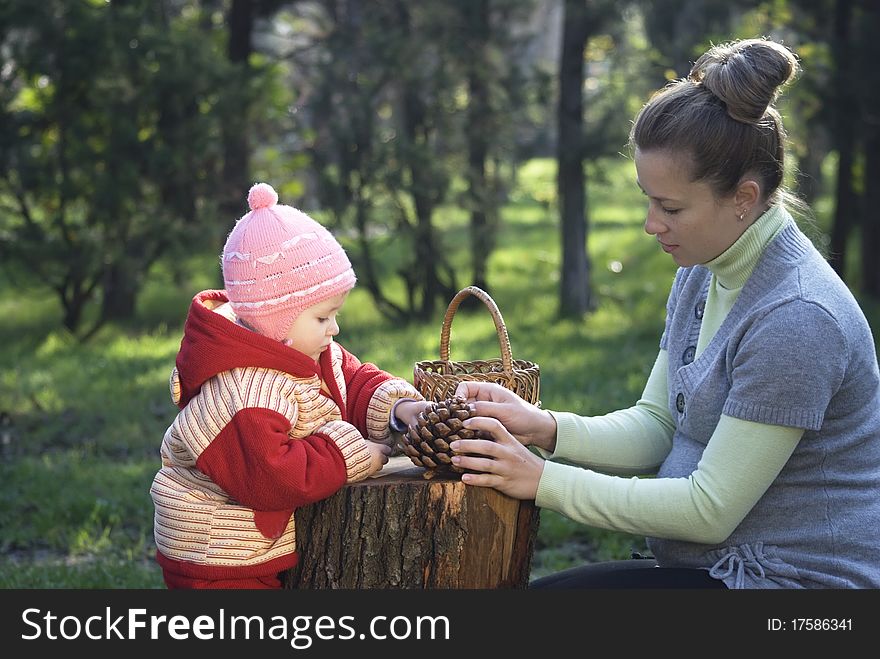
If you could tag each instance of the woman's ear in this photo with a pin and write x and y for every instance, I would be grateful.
(747, 195)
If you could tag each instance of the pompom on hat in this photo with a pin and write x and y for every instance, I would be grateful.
(277, 262)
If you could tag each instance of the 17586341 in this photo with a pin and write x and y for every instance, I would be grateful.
(809, 624)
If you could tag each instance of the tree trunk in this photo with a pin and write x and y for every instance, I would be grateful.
(426, 179)
(479, 131)
(845, 119)
(366, 267)
(427, 252)
(574, 290)
(809, 181)
(74, 296)
(869, 51)
(121, 289)
(403, 531)
(870, 224)
(236, 147)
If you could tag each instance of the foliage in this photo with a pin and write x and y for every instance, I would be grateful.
(109, 145)
(680, 29)
(390, 99)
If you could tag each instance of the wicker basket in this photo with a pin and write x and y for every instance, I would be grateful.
(437, 380)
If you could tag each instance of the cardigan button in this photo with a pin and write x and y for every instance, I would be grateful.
(679, 403)
(699, 309)
(689, 354)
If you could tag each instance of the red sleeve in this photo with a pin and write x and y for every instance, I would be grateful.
(361, 381)
(255, 461)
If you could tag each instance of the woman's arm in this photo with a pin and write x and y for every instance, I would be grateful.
(632, 441)
(739, 463)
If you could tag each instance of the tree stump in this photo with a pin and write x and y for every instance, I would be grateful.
(400, 530)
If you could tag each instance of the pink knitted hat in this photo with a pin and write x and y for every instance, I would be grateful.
(278, 261)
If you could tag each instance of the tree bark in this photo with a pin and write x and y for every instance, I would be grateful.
(479, 125)
(574, 288)
(121, 289)
(235, 138)
(428, 183)
(845, 121)
(403, 531)
(870, 225)
(869, 51)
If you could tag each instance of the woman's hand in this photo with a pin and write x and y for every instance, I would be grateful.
(529, 424)
(505, 463)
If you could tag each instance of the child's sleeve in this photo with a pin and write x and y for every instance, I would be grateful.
(256, 462)
(238, 435)
(371, 394)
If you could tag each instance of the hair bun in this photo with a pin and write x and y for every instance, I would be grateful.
(261, 195)
(746, 75)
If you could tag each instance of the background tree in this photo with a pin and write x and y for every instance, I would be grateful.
(425, 98)
(869, 93)
(125, 140)
(679, 29)
(476, 23)
(377, 101)
(806, 102)
(844, 116)
(240, 95)
(107, 145)
(398, 102)
(835, 105)
(582, 20)
(574, 288)
(490, 58)
(344, 74)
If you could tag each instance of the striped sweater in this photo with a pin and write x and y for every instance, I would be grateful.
(262, 430)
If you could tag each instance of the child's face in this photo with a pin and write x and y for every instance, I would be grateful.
(313, 330)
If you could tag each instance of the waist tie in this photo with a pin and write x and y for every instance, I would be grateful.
(739, 560)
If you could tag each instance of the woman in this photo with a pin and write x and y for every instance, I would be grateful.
(761, 417)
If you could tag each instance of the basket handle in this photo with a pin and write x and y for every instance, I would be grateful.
(500, 327)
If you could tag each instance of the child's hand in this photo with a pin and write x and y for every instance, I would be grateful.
(378, 456)
(408, 410)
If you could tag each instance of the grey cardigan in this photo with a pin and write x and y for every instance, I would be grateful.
(794, 350)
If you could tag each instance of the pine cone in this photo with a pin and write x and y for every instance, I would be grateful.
(427, 441)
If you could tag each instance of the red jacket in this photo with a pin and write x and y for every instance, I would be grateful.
(257, 436)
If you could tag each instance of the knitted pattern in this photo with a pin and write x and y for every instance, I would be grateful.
(794, 350)
(278, 261)
(196, 520)
(262, 430)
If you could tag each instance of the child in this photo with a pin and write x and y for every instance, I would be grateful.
(274, 414)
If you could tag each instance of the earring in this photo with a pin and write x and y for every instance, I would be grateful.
(742, 216)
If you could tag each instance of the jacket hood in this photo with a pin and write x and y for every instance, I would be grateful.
(212, 343)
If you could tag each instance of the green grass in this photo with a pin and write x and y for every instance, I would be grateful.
(85, 421)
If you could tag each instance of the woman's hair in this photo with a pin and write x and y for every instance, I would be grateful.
(722, 116)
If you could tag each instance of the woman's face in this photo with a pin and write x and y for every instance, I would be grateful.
(691, 224)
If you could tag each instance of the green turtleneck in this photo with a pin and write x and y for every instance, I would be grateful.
(740, 461)
(733, 267)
